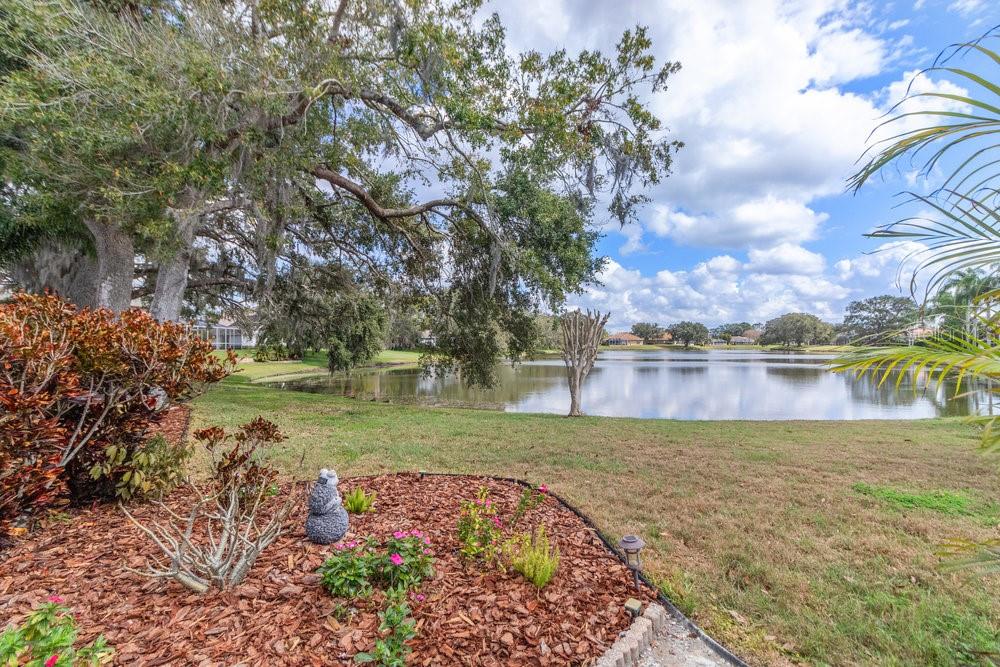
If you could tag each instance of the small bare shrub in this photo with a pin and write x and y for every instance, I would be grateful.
(222, 535)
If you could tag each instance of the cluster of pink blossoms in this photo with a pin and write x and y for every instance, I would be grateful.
(403, 534)
(346, 545)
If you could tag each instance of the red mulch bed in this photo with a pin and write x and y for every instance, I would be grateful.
(281, 615)
(173, 423)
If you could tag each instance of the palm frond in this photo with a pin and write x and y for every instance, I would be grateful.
(976, 121)
(964, 235)
(965, 554)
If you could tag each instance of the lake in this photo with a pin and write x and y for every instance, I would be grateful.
(668, 384)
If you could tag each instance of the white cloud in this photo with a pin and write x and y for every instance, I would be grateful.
(786, 259)
(773, 282)
(845, 55)
(753, 223)
(967, 8)
(888, 267)
(770, 128)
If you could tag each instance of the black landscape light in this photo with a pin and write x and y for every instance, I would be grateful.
(632, 546)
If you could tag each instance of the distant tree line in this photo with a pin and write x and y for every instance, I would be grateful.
(877, 320)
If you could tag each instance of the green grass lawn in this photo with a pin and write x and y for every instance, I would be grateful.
(788, 541)
(312, 363)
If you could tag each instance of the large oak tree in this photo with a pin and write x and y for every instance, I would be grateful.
(196, 148)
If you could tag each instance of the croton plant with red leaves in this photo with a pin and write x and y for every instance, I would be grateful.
(75, 381)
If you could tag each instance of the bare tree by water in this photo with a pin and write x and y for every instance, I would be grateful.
(581, 334)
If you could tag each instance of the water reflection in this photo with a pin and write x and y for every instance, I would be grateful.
(713, 384)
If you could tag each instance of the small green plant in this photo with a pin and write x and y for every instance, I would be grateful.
(479, 529)
(360, 566)
(46, 639)
(153, 470)
(534, 558)
(343, 612)
(357, 501)
(397, 627)
(529, 500)
(348, 574)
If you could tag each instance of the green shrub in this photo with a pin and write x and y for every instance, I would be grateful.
(358, 502)
(271, 353)
(479, 529)
(152, 470)
(534, 558)
(360, 566)
(349, 573)
(46, 639)
(397, 627)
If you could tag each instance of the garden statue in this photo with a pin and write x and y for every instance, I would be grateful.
(327, 520)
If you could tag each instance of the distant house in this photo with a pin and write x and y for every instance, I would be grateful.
(665, 338)
(718, 341)
(224, 335)
(918, 332)
(752, 334)
(623, 338)
(741, 340)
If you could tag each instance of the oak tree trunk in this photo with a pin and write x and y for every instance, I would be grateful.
(115, 265)
(172, 273)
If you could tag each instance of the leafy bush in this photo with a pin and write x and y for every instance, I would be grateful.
(479, 528)
(534, 558)
(349, 573)
(74, 383)
(360, 566)
(358, 502)
(271, 353)
(153, 470)
(397, 627)
(46, 639)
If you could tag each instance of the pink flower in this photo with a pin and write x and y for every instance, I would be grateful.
(496, 521)
(419, 597)
(543, 489)
(396, 559)
(339, 547)
(489, 502)
(55, 599)
(51, 662)
(428, 552)
(416, 533)
(399, 534)
(427, 540)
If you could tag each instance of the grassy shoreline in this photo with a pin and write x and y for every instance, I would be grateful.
(758, 529)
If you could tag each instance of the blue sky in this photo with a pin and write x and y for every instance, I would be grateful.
(775, 101)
